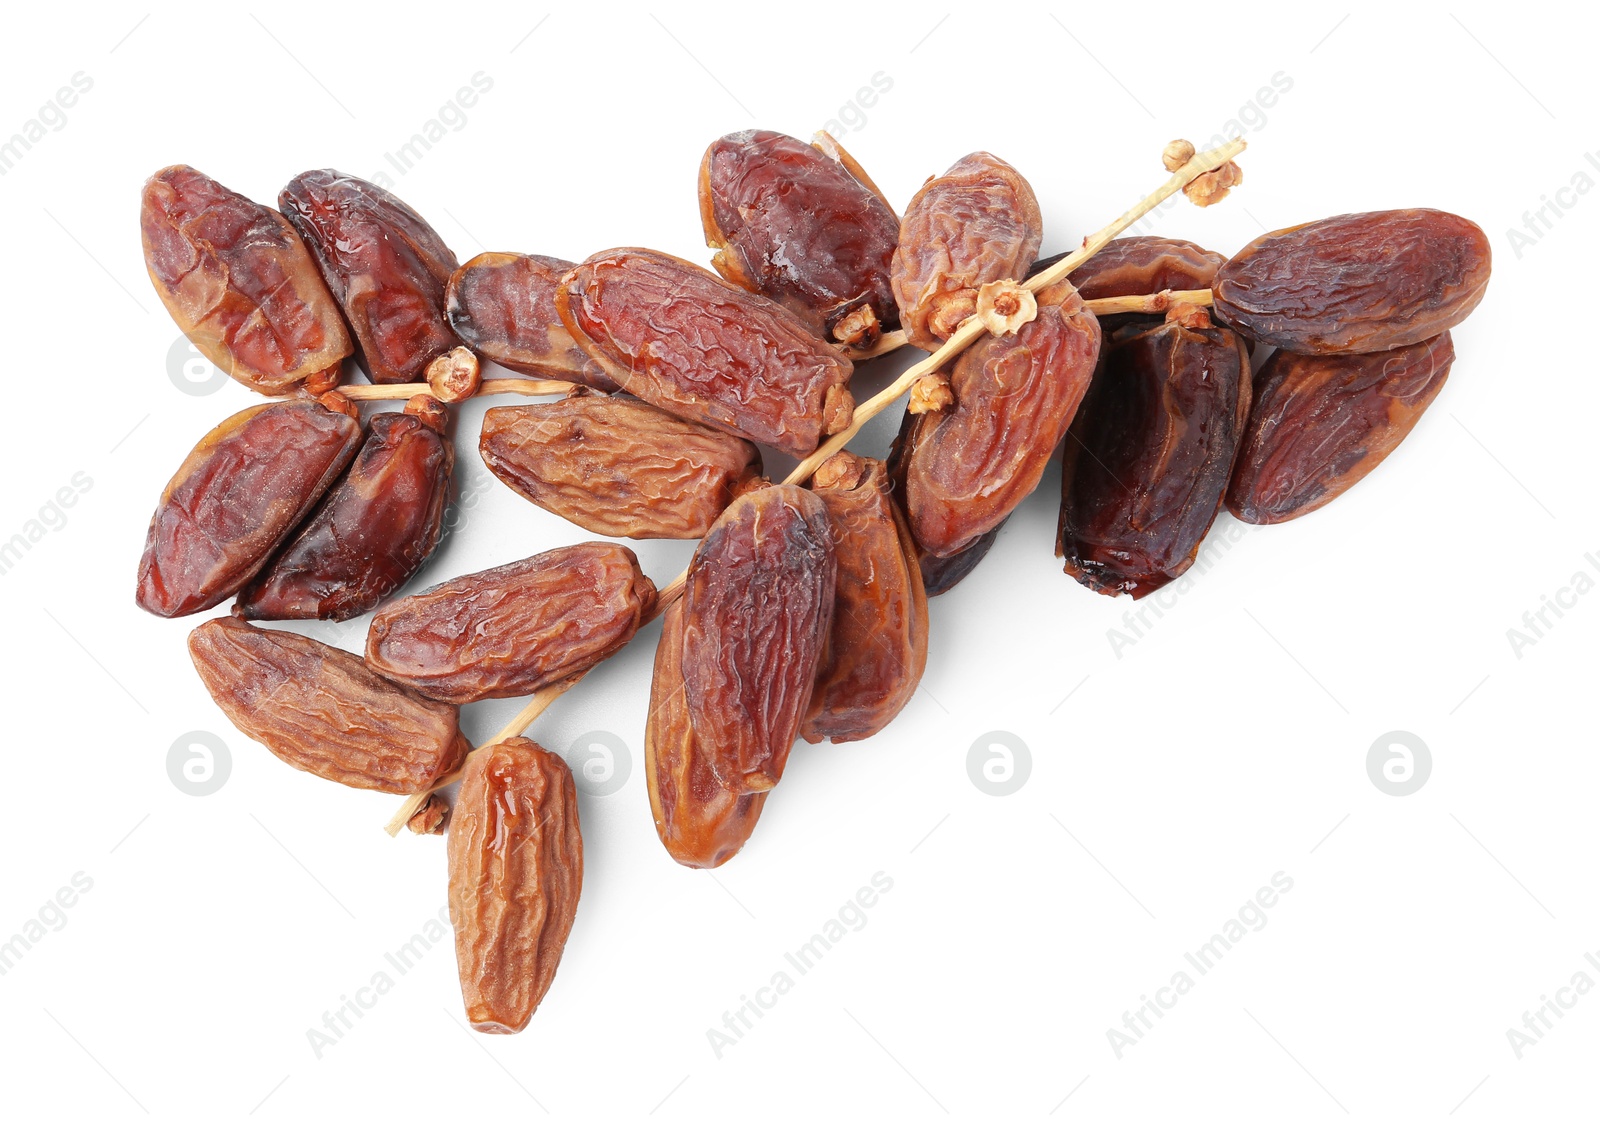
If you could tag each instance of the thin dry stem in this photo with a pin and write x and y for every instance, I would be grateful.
(520, 386)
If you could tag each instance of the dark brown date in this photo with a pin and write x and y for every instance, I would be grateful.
(239, 282)
(510, 630)
(384, 264)
(371, 533)
(977, 223)
(968, 466)
(700, 822)
(792, 223)
(878, 643)
(757, 609)
(1319, 424)
(941, 573)
(1356, 283)
(1148, 458)
(317, 708)
(679, 337)
(504, 306)
(1140, 264)
(241, 491)
(616, 466)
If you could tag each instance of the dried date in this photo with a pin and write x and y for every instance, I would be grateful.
(1319, 424)
(371, 533)
(510, 630)
(792, 223)
(384, 264)
(700, 822)
(617, 466)
(1356, 283)
(679, 337)
(977, 223)
(504, 306)
(516, 869)
(757, 607)
(239, 282)
(878, 641)
(317, 708)
(1148, 461)
(967, 467)
(241, 491)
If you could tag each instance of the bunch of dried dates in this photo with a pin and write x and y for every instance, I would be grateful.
(1179, 381)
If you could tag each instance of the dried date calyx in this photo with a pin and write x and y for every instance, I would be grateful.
(239, 282)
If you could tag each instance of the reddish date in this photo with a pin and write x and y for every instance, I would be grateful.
(977, 223)
(878, 643)
(792, 223)
(700, 822)
(616, 466)
(504, 306)
(681, 338)
(968, 466)
(384, 264)
(1356, 283)
(510, 630)
(241, 491)
(1319, 424)
(319, 709)
(757, 610)
(1148, 460)
(371, 533)
(239, 282)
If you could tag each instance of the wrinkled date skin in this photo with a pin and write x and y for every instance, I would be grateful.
(240, 492)
(504, 306)
(371, 533)
(510, 630)
(1356, 283)
(1148, 463)
(239, 282)
(1142, 264)
(1319, 424)
(757, 611)
(878, 643)
(384, 264)
(516, 869)
(977, 223)
(616, 466)
(317, 708)
(792, 223)
(701, 823)
(967, 467)
(683, 339)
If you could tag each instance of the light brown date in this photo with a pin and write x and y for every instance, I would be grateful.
(790, 222)
(1148, 461)
(241, 491)
(384, 264)
(373, 530)
(617, 466)
(700, 822)
(968, 466)
(878, 642)
(504, 306)
(977, 223)
(239, 282)
(317, 708)
(1319, 424)
(757, 610)
(679, 337)
(510, 630)
(516, 869)
(1357, 283)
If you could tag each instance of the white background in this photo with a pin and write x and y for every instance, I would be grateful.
(1169, 779)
